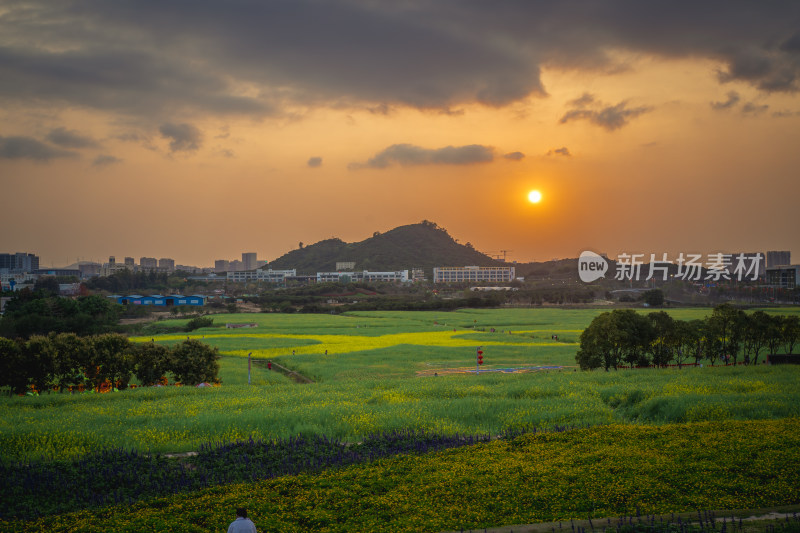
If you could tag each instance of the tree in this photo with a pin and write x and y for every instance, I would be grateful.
(695, 339)
(13, 373)
(193, 362)
(725, 332)
(109, 359)
(758, 328)
(39, 354)
(151, 361)
(773, 332)
(654, 298)
(48, 284)
(684, 337)
(71, 357)
(595, 345)
(637, 333)
(790, 332)
(664, 340)
(622, 335)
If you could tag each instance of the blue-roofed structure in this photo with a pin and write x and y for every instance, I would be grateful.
(158, 300)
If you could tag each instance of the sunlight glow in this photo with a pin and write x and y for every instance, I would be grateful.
(534, 197)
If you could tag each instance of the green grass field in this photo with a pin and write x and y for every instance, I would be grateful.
(404, 370)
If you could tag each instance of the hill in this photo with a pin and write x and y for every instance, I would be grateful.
(424, 245)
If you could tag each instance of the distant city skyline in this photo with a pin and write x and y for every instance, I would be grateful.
(769, 258)
(199, 131)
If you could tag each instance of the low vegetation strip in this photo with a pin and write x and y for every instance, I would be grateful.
(175, 419)
(594, 472)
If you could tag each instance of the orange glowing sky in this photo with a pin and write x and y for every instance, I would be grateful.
(199, 131)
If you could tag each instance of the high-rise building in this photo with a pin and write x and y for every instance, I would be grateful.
(19, 262)
(249, 261)
(776, 259)
(166, 264)
(148, 263)
(129, 262)
(221, 265)
(89, 269)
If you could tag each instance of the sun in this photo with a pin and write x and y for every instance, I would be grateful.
(534, 197)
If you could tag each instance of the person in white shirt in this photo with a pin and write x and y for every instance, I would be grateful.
(242, 524)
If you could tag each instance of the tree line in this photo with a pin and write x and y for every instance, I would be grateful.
(41, 312)
(64, 361)
(729, 335)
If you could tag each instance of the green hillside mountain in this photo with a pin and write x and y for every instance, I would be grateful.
(424, 245)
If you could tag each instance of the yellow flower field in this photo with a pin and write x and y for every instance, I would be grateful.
(340, 344)
(609, 471)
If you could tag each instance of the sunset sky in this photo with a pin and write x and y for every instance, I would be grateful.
(199, 130)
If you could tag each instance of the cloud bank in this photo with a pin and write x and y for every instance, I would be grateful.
(162, 60)
(70, 139)
(411, 155)
(608, 117)
(28, 148)
(183, 137)
(564, 151)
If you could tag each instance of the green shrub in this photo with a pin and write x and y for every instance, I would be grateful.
(199, 322)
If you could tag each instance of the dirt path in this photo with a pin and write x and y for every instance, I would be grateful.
(291, 374)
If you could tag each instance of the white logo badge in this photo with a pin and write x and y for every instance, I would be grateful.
(591, 266)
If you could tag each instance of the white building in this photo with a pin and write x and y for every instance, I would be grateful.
(364, 275)
(268, 275)
(501, 274)
(20, 279)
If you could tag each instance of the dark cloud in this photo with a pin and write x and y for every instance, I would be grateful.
(514, 156)
(184, 137)
(560, 151)
(608, 117)
(104, 160)
(149, 58)
(751, 108)
(29, 148)
(70, 139)
(410, 155)
(733, 99)
(769, 71)
(314, 162)
(582, 101)
(131, 137)
(792, 44)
